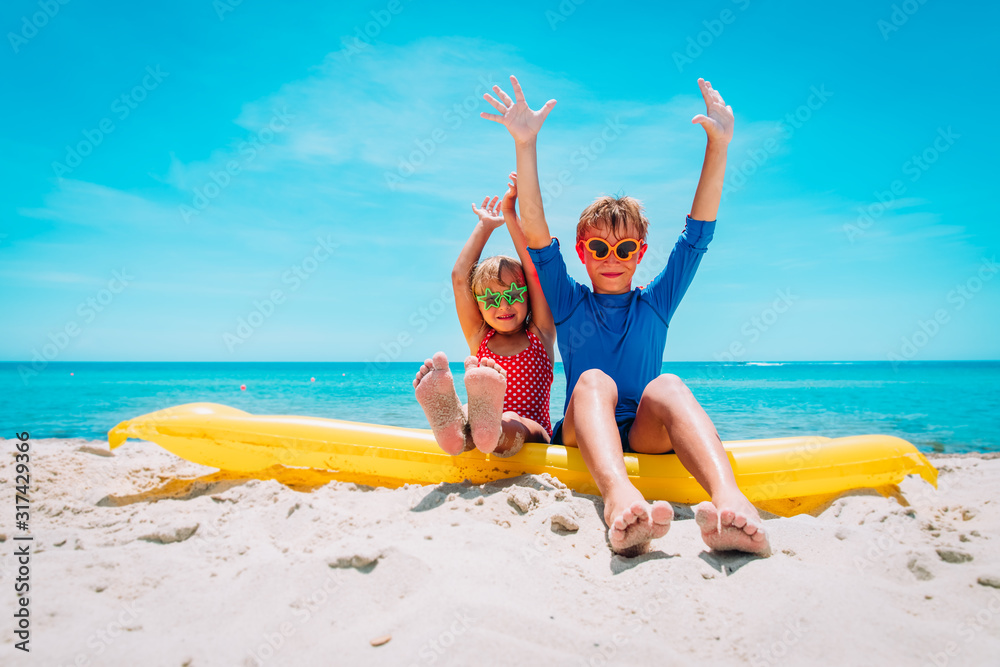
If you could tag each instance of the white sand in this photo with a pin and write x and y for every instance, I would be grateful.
(139, 562)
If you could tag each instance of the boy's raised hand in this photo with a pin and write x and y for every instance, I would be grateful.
(522, 123)
(490, 213)
(718, 118)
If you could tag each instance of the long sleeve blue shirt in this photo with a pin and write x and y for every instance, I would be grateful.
(623, 335)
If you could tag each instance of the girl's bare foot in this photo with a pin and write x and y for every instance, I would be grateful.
(435, 390)
(732, 524)
(485, 382)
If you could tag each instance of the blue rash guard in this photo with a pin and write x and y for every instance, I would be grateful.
(623, 335)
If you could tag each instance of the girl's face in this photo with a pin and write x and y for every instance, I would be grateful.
(505, 317)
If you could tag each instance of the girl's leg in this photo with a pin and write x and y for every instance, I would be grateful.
(435, 390)
(502, 433)
(518, 430)
(485, 383)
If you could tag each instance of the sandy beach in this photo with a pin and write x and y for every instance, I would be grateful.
(143, 558)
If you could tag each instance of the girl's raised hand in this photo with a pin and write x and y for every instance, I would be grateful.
(489, 213)
(510, 197)
(522, 123)
(718, 122)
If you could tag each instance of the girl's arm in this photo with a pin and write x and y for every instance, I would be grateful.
(541, 316)
(469, 316)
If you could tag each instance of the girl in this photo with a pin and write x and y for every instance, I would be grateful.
(510, 332)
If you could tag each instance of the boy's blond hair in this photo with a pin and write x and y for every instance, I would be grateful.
(499, 268)
(616, 214)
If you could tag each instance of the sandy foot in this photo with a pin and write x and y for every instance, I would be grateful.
(732, 529)
(485, 383)
(631, 528)
(435, 390)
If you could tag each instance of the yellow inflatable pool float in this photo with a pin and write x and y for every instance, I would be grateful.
(784, 476)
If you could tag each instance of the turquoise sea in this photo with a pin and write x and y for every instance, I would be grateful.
(938, 406)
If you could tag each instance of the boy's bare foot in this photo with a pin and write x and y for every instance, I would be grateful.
(633, 522)
(485, 382)
(732, 524)
(435, 390)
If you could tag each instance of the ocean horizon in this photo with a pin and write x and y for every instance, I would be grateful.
(939, 406)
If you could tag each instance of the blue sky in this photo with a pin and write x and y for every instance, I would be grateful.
(172, 170)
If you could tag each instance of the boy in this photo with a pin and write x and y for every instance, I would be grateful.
(612, 338)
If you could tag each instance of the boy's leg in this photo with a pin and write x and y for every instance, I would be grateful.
(435, 390)
(669, 418)
(590, 425)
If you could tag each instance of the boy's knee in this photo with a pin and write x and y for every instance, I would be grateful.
(667, 385)
(596, 379)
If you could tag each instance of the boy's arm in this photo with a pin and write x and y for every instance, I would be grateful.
(541, 315)
(668, 288)
(473, 326)
(523, 125)
(718, 123)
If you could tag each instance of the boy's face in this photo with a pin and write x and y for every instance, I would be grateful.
(611, 275)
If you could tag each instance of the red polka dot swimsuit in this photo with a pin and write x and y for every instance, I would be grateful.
(529, 379)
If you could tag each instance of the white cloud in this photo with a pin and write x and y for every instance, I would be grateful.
(94, 205)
